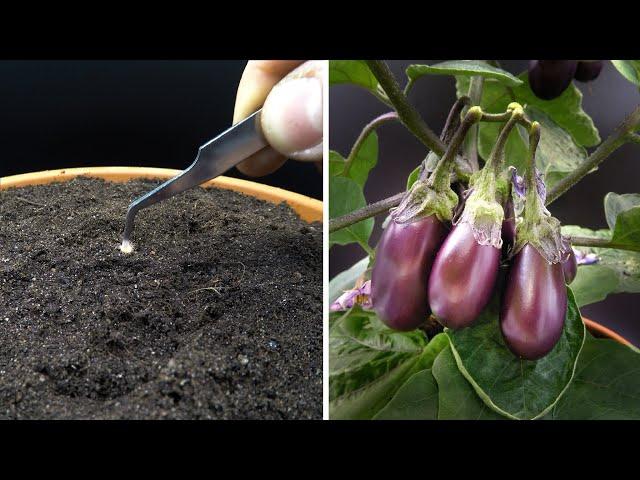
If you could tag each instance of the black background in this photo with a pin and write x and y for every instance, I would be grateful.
(607, 100)
(156, 113)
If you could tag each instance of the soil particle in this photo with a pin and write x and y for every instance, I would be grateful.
(216, 314)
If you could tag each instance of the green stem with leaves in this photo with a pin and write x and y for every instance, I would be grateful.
(579, 241)
(384, 205)
(622, 134)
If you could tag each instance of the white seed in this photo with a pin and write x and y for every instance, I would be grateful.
(126, 247)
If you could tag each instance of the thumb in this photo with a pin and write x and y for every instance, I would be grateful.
(292, 113)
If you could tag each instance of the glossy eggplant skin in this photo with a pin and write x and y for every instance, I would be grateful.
(534, 305)
(404, 257)
(462, 278)
(549, 78)
(588, 71)
(509, 224)
(570, 268)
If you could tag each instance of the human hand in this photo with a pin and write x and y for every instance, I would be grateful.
(290, 93)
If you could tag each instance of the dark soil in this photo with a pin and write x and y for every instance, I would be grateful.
(216, 314)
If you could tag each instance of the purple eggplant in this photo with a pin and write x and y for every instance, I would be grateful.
(534, 305)
(588, 71)
(549, 78)
(570, 267)
(462, 278)
(509, 224)
(403, 262)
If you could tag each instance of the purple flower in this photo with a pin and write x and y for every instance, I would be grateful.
(518, 183)
(521, 189)
(585, 258)
(357, 296)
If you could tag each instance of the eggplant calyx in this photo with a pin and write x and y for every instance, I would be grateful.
(423, 200)
(538, 227)
(485, 216)
(544, 235)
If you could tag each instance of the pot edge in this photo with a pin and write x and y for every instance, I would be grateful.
(309, 209)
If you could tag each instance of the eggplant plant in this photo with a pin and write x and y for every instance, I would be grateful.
(469, 305)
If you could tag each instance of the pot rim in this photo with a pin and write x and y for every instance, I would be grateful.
(309, 209)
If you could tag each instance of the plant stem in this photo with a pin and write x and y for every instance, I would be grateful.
(496, 117)
(600, 243)
(365, 212)
(634, 137)
(449, 130)
(375, 123)
(497, 153)
(439, 179)
(620, 136)
(453, 119)
(408, 115)
(471, 150)
(532, 202)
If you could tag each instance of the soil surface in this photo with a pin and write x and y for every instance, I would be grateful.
(216, 314)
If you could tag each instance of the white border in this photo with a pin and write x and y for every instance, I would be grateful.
(325, 246)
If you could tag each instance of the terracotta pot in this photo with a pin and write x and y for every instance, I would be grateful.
(309, 209)
(600, 331)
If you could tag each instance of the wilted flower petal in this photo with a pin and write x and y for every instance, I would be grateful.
(357, 296)
(540, 186)
(585, 258)
(520, 187)
(518, 182)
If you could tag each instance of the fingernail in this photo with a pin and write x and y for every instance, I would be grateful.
(292, 115)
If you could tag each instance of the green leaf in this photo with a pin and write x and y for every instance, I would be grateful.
(615, 204)
(456, 398)
(590, 285)
(626, 229)
(557, 154)
(593, 283)
(630, 69)
(365, 159)
(369, 363)
(336, 164)
(417, 399)
(346, 196)
(606, 384)
(413, 176)
(565, 111)
(355, 72)
(466, 68)
(347, 279)
(516, 388)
